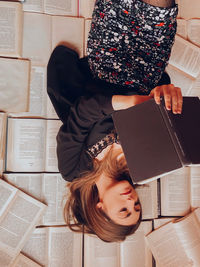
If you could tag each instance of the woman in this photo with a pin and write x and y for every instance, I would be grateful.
(128, 49)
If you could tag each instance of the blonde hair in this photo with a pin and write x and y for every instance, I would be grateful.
(83, 198)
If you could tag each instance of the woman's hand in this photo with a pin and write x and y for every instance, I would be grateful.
(172, 96)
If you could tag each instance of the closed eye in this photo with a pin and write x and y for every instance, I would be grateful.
(123, 209)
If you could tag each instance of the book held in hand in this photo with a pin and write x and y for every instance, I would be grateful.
(156, 141)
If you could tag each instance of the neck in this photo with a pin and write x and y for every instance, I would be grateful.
(103, 183)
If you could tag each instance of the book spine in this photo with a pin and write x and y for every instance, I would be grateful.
(176, 141)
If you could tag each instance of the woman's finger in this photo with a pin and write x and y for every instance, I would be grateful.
(167, 96)
(180, 100)
(174, 100)
(157, 91)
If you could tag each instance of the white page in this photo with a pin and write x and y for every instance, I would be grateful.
(3, 125)
(36, 246)
(86, 8)
(5, 258)
(134, 250)
(181, 79)
(87, 29)
(7, 194)
(148, 196)
(195, 186)
(19, 222)
(188, 231)
(11, 18)
(175, 193)
(182, 28)
(98, 253)
(26, 145)
(33, 5)
(61, 7)
(30, 183)
(65, 247)
(195, 91)
(37, 100)
(166, 247)
(160, 222)
(14, 84)
(189, 9)
(68, 30)
(185, 56)
(54, 188)
(194, 31)
(37, 37)
(51, 156)
(23, 261)
(50, 111)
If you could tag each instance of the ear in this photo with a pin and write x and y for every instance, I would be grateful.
(99, 205)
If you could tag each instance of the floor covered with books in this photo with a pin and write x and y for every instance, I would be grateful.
(32, 228)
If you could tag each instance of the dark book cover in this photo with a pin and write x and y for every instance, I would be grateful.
(150, 141)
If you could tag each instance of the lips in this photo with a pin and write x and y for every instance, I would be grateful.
(127, 192)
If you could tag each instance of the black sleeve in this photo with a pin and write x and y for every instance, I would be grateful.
(71, 139)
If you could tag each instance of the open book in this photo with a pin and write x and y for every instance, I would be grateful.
(177, 243)
(131, 252)
(14, 84)
(11, 29)
(188, 9)
(160, 140)
(23, 261)
(19, 214)
(49, 188)
(189, 29)
(55, 246)
(42, 33)
(180, 191)
(184, 64)
(31, 145)
(75, 8)
(3, 126)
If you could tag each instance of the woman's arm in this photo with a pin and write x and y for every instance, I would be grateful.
(71, 138)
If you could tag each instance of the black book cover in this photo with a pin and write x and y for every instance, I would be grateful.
(156, 141)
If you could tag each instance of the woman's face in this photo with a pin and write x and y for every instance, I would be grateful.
(120, 203)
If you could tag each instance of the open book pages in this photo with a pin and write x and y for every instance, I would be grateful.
(131, 252)
(86, 8)
(46, 187)
(188, 9)
(47, 32)
(19, 214)
(3, 126)
(87, 29)
(148, 196)
(186, 57)
(23, 261)
(55, 246)
(181, 79)
(177, 243)
(11, 20)
(14, 84)
(180, 191)
(39, 103)
(55, 7)
(189, 29)
(161, 221)
(31, 145)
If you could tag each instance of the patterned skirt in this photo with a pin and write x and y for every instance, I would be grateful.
(130, 42)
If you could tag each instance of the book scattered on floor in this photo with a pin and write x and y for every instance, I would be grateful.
(177, 243)
(132, 252)
(14, 84)
(11, 22)
(180, 191)
(49, 188)
(31, 145)
(55, 246)
(156, 141)
(23, 261)
(19, 214)
(3, 127)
